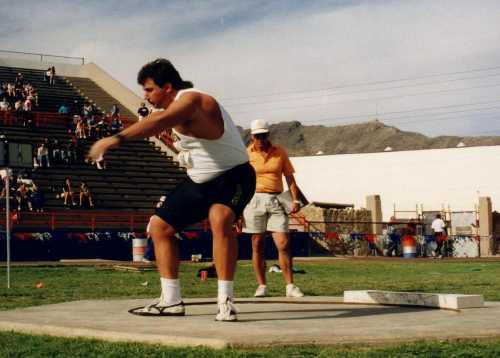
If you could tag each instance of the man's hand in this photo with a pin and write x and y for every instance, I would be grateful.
(295, 207)
(100, 147)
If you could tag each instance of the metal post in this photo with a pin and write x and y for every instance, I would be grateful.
(7, 223)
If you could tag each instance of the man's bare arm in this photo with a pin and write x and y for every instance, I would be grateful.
(177, 113)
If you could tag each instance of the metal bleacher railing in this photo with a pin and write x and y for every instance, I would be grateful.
(43, 57)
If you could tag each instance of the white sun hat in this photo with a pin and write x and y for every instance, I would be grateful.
(259, 126)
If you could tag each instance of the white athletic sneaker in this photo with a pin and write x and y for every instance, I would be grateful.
(261, 291)
(293, 291)
(227, 311)
(161, 308)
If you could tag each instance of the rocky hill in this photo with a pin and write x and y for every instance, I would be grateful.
(366, 137)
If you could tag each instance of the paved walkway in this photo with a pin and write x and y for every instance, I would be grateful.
(262, 322)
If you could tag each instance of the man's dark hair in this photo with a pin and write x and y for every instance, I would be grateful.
(438, 216)
(161, 71)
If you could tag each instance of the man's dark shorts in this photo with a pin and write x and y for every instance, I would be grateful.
(190, 202)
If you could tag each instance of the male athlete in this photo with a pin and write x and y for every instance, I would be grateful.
(220, 180)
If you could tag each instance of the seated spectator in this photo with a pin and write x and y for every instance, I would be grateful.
(28, 121)
(63, 110)
(4, 105)
(102, 129)
(56, 152)
(143, 111)
(76, 109)
(116, 125)
(34, 94)
(37, 199)
(115, 111)
(86, 199)
(91, 127)
(3, 90)
(70, 153)
(18, 107)
(22, 197)
(88, 110)
(67, 193)
(19, 81)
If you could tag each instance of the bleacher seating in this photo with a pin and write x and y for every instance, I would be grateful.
(136, 174)
(90, 90)
(50, 97)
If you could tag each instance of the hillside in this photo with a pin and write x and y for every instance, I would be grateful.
(366, 137)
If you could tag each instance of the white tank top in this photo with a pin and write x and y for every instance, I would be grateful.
(206, 159)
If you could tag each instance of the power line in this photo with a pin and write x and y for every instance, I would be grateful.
(479, 116)
(323, 95)
(442, 74)
(443, 113)
(371, 99)
(358, 116)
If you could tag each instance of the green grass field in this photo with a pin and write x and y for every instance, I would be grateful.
(66, 283)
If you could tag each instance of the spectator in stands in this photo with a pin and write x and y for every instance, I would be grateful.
(81, 130)
(18, 107)
(143, 111)
(86, 198)
(37, 199)
(56, 152)
(91, 127)
(42, 154)
(28, 121)
(115, 111)
(67, 193)
(19, 81)
(116, 125)
(52, 75)
(264, 213)
(4, 105)
(70, 153)
(63, 110)
(22, 197)
(76, 108)
(33, 96)
(46, 75)
(101, 128)
(88, 110)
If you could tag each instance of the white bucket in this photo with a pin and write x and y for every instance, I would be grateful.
(138, 249)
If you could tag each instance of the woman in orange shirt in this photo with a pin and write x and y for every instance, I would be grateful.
(264, 212)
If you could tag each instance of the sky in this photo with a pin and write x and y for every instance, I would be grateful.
(428, 66)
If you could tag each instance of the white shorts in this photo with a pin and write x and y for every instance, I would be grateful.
(264, 213)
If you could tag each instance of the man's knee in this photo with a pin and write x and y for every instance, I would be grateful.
(221, 218)
(160, 229)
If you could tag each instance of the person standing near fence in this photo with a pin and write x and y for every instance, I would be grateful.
(264, 212)
(439, 228)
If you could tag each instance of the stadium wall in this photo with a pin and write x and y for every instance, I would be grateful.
(435, 178)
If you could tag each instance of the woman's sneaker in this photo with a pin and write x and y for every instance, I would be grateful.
(227, 311)
(261, 291)
(293, 291)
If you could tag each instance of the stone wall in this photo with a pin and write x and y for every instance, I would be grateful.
(334, 236)
(326, 220)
